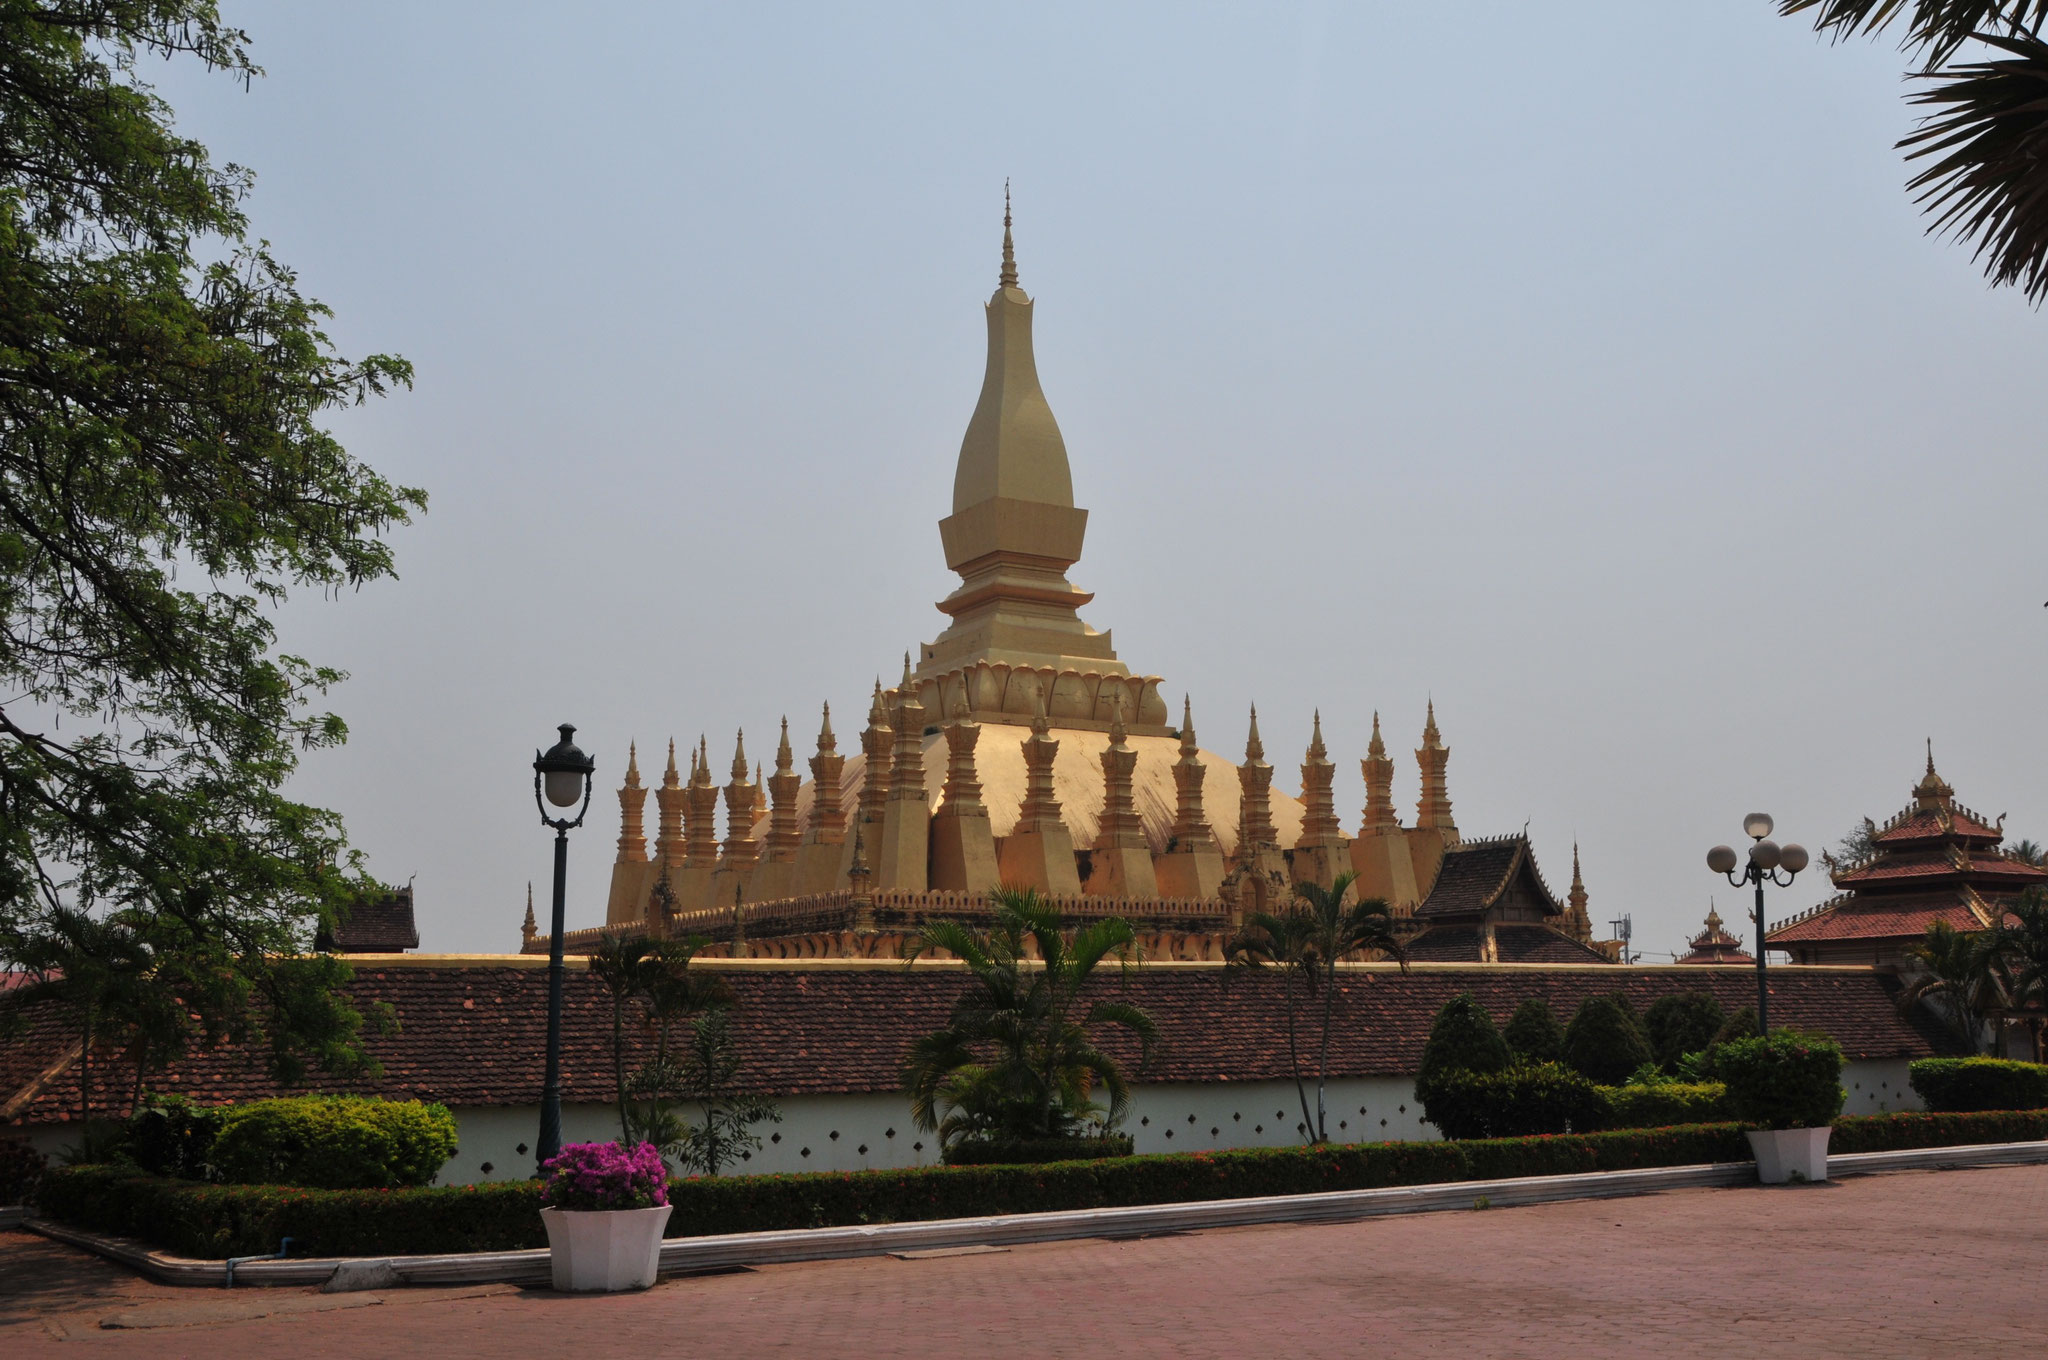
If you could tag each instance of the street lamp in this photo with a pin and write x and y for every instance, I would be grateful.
(1767, 861)
(561, 776)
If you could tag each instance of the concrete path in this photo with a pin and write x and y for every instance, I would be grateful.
(1909, 1264)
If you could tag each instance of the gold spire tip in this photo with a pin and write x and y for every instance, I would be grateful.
(1008, 277)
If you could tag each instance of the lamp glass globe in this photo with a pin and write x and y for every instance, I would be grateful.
(1757, 825)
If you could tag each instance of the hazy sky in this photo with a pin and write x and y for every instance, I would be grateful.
(1584, 366)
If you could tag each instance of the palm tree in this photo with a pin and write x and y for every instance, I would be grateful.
(2028, 852)
(1016, 1059)
(1307, 942)
(1959, 967)
(620, 964)
(2020, 947)
(1987, 180)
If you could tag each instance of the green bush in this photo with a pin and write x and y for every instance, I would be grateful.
(1533, 1034)
(1890, 1132)
(1462, 1038)
(220, 1220)
(21, 1166)
(1604, 1041)
(1681, 1023)
(334, 1142)
(172, 1136)
(1033, 1151)
(1666, 1102)
(1954, 1084)
(1741, 1025)
(1788, 1080)
(1547, 1098)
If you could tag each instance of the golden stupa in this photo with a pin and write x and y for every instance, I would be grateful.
(1017, 748)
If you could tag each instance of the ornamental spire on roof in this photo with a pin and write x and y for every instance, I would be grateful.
(1008, 277)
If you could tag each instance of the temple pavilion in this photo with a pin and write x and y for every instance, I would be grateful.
(1715, 945)
(1017, 747)
(1936, 860)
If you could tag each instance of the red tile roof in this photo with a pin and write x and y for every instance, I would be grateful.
(472, 1034)
(1886, 870)
(1876, 919)
(1927, 826)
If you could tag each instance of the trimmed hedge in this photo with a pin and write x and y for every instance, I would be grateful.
(222, 1220)
(1518, 1103)
(1672, 1102)
(1605, 1041)
(1954, 1084)
(1035, 1151)
(1786, 1081)
(1533, 1033)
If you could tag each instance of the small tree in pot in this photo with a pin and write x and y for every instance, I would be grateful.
(1790, 1085)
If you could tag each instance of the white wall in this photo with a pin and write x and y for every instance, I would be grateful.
(863, 1132)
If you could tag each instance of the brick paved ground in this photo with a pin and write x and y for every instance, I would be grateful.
(1914, 1264)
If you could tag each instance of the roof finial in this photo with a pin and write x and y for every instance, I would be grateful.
(1930, 755)
(906, 671)
(1008, 278)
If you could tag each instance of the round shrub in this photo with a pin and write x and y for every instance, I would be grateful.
(1461, 1039)
(1604, 1041)
(21, 1166)
(1666, 1103)
(172, 1136)
(1741, 1025)
(1515, 1103)
(333, 1142)
(1964, 1084)
(1788, 1080)
(1533, 1033)
(1035, 1151)
(1681, 1023)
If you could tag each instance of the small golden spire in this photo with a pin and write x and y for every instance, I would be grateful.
(1376, 748)
(1430, 736)
(878, 716)
(739, 756)
(1117, 733)
(1008, 278)
(826, 741)
(668, 779)
(529, 930)
(1254, 749)
(1930, 756)
(785, 759)
(632, 765)
(1040, 723)
(1187, 726)
(1316, 749)
(906, 672)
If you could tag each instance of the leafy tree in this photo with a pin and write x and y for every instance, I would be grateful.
(620, 963)
(1016, 1059)
(1681, 1023)
(1986, 180)
(1307, 942)
(1860, 844)
(165, 483)
(1533, 1034)
(708, 1077)
(2019, 947)
(671, 997)
(1462, 1038)
(1741, 1025)
(1958, 970)
(1604, 1041)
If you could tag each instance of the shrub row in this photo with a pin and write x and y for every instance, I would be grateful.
(1033, 1151)
(1551, 1098)
(223, 1220)
(1979, 1084)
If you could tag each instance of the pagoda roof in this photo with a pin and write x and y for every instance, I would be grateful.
(1477, 874)
(1715, 945)
(1914, 824)
(1849, 918)
(1886, 869)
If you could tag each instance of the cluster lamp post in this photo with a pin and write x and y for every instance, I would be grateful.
(561, 776)
(1767, 862)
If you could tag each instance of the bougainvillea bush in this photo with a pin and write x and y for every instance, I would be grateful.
(605, 1176)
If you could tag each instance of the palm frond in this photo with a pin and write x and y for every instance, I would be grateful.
(1988, 183)
(1935, 28)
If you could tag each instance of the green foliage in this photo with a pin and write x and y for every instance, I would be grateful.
(21, 1167)
(1016, 1059)
(170, 1135)
(1462, 1038)
(1960, 973)
(334, 1142)
(1514, 1103)
(1666, 1102)
(1307, 942)
(1604, 1041)
(1015, 1152)
(1961, 1084)
(708, 1077)
(212, 1221)
(1533, 1034)
(1679, 1023)
(166, 481)
(1741, 1025)
(1787, 1080)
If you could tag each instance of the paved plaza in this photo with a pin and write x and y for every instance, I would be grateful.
(1911, 1264)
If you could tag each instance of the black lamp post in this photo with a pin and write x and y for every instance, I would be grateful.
(1767, 860)
(561, 775)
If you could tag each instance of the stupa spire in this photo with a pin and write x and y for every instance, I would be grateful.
(828, 810)
(1378, 767)
(670, 805)
(1319, 807)
(1578, 924)
(1434, 810)
(1190, 821)
(1255, 807)
(632, 804)
(1008, 277)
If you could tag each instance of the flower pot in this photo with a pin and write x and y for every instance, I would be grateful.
(1785, 1156)
(595, 1250)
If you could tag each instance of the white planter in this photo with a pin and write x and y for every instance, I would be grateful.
(594, 1250)
(1784, 1156)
